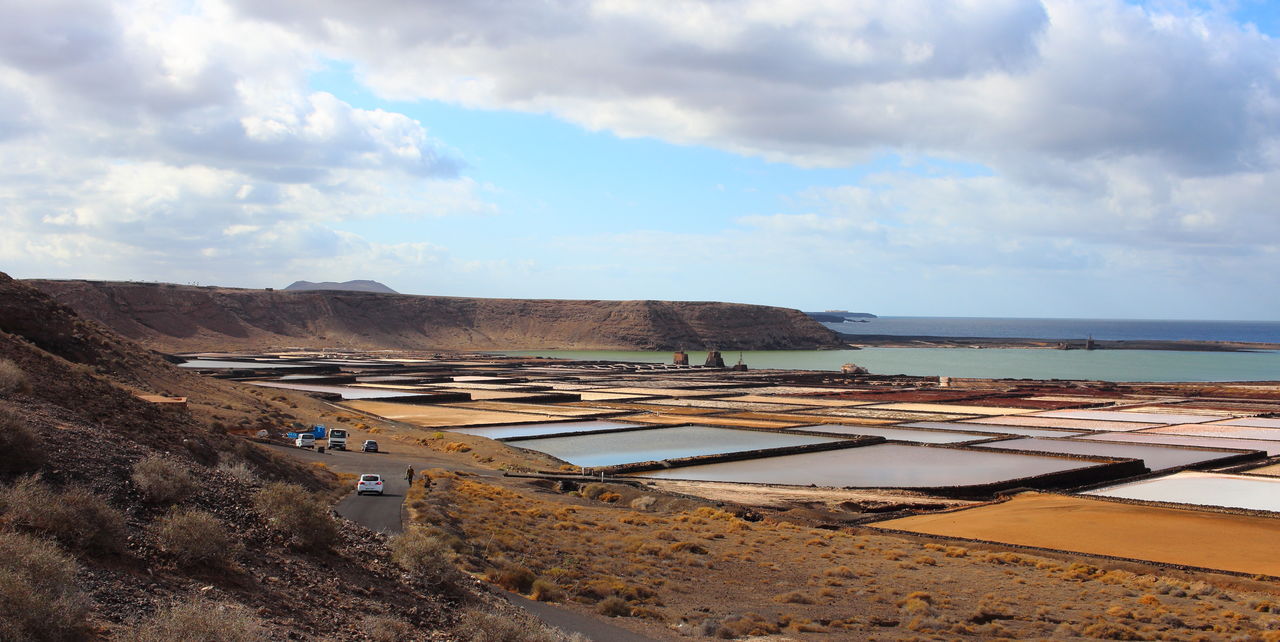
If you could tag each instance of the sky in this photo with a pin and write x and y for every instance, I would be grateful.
(1061, 158)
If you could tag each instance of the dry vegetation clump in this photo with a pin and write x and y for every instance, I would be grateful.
(294, 513)
(39, 599)
(201, 620)
(12, 378)
(382, 628)
(511, 576)
(425, 557)
(194, 538)
(739, 626)
(238, 470)
(20, 448)
(75, 516)
(162, 480)
(518, 627)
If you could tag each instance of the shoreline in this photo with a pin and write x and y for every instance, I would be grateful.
(925, 341)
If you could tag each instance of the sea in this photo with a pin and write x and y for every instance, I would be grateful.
(1063, 329)
(1016, 363)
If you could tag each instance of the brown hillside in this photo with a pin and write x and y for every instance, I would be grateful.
(187, 318)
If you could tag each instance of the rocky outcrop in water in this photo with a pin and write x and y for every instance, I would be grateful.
(180, 318)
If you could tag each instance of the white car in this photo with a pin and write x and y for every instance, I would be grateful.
(305, 440)
(369, 484)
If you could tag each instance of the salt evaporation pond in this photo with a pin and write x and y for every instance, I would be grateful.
(1257, 422)
(878, 466)
(246, 365)
(347, 392)
(534, 430)
(1204, 489)
(612, 449)
(1272, 448)
(1226, 431)
(898, 434)
(1118, 415)
(994, 429)
(1155, 457)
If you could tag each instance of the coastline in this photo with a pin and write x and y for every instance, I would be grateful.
(924, 341)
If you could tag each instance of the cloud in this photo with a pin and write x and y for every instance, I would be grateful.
(166, 138)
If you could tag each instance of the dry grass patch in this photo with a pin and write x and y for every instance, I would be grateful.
(201, 620)
(194, 538)
(162, 480)
(39, 599)
(12, 378)
(20, 448)
(75, 516)
(295, 514)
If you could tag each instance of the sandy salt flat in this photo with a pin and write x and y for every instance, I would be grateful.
(1205, 489)
(1256, 422)
(440, 416)
(535, 409)
(891, 415)
(1126, 415)
(1270, 470)
(1060, 422)
(1272, 448)
(955, 409)
(722, 404)
(994, 430)
(1219, 430)
(799, 401)
(807, 419)
(1237, 543)
(671, 420)
(900, 434)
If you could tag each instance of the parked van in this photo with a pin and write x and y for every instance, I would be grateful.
(305, 440)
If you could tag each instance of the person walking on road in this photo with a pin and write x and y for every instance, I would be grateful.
(408, 475)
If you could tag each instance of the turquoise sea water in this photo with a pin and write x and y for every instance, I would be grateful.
(994, 363)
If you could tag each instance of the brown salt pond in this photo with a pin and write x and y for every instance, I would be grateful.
(878, 466)
(957, 409)
(994, 429)
(1238, 543)
(1227, 431)
(1126, 415)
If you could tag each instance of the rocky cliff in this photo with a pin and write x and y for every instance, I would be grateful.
(180, 318)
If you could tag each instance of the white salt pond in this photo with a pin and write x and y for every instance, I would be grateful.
(347, 392)
(899, 434)
(878, 466)
(1154, 457)
(1219, 430)
(1256, 422)
(1202, 489)
(994, 428)
(1272, 448)
(612, 449)
(534, 430)
(200, 364)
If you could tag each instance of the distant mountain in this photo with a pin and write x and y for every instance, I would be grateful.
(347, 286)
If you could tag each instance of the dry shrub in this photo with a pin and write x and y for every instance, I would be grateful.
(294, 513)
(687, 547)
(201, 620)
(382, 628)
(794, 597)
(75, 516)
(194, 538)
(20, 449)
(12, 378)
(592, 491)
(457, 447)
(162, 480)
(512, 577)
(738, 626)
(546, 591)
(39, 599)
(613, 607)
(517, 627)
(426, 557)
(238, 470)
(1111, 631)
(840, 571)
(644, 502)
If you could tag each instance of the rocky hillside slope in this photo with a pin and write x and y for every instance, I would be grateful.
(187, 318)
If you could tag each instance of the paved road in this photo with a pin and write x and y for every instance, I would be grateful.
(383, 513)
